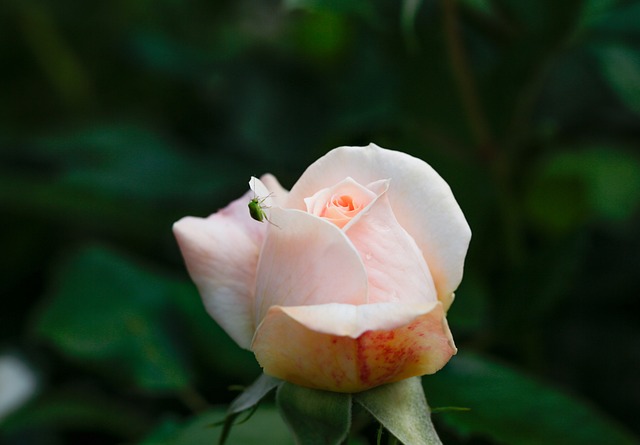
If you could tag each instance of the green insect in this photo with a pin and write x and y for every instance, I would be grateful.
(256, 208)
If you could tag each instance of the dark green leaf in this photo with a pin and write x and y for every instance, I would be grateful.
(620, 66)
(265, 427)
(593, 11)
(106, 310)
(68, 409)
(612, 18)
(130, 161)
(482, 6)
(510, 407)
(572, 185)
(358, 7)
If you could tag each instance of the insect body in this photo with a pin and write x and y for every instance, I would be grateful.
(256, 209)
(257, 205)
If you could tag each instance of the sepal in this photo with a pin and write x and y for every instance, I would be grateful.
(249, 398)
(402, 409)
(315, 417)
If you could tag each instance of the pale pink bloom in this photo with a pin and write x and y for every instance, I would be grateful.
(348, 285)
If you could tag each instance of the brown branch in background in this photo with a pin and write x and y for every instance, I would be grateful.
(485, 144)
(465, 82)
(52, 51)
(193, 400)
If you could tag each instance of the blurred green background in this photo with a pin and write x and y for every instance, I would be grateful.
(117, 118)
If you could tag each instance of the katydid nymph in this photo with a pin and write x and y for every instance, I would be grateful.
(257, 206)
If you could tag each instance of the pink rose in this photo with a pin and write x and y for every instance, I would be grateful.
(348, 285)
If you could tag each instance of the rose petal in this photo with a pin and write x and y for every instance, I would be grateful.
(287, 345)
(307, 260)
(320, 203)
(354, 320)
(260, 190)
(278, 193)
(421, 200)
(221, 254)
(395, 266)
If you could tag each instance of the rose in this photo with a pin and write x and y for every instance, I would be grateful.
(347, 284)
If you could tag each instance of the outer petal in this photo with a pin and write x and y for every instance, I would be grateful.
(307, 260)
(421, 200)
(288, 346)
(395, 266)
(221, 254)
(278, 193)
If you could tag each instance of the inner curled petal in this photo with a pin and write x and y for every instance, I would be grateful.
(341, 202)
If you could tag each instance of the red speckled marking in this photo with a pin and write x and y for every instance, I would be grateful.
(362, 363)
(344, 364)
(384, 355)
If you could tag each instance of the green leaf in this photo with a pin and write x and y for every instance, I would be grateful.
(481, 6)
(620, 66)
(410, 10)
(321, 35)
(360, 8)
(612, 19)
(123, 159)
(510, 407)
(593, 11)
(315, 417)
(69, 409)
(108, 311)
(265, 427)
(402, 409)
(594, 181)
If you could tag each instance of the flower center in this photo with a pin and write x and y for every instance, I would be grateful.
(344, 201)
(340, 203)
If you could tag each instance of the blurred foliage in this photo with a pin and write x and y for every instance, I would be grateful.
(117, 118)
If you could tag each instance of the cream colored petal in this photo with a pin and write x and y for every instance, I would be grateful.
(395, 266)
(307, 260)
(288, 347)
(421, 200)
(353, 321)
(221, 254)
(278, 193)
(260, 191)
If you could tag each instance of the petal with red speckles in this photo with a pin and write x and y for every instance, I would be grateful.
(347, 348)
